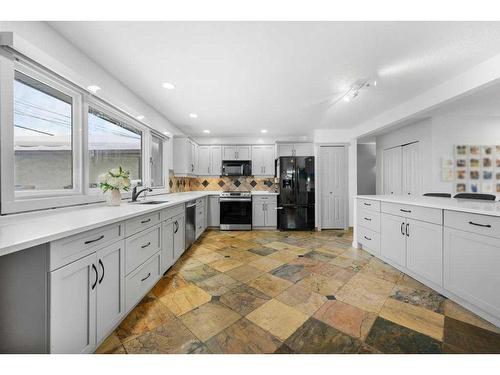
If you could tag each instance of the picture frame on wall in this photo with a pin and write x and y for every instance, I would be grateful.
(461, 163)
(487, 187)
(461, 174)
(475, 150)
(460, 150)
(498, 188)
(474, 163)
(474, 187)
(460, 187)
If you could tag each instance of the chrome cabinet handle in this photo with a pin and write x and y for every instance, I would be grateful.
(102, 266)
(145, 245)
(147, 277)
(97, 239)
(480, 225)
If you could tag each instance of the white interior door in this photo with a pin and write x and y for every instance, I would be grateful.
(411, 169)
(333, 176)
(392, 171)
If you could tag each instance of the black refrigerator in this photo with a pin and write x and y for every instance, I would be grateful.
(296, 197)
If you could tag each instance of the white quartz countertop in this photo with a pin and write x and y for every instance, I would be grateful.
(21, 231)
(490, 208)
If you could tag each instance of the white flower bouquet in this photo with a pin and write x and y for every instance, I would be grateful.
(114, 180)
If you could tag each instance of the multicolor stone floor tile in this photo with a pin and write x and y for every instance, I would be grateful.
(294, 292)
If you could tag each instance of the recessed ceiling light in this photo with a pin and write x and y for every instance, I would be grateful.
(193, 115)
(140, 117)
(93, 88)
(206, 131)
(168, 85)
(263, 131)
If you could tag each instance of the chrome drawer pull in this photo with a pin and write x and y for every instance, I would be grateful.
(97, 239)
(366, 238)
(147, 277)
(146, 245)
(407, 211)
(368, 219)
(480, 225)
(146, 221)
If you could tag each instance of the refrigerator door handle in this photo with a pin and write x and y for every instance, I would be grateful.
(278, 208)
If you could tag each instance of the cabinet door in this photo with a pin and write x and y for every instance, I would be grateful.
(179, 236)
(244, 153)
(271, 215)
(303, 149)
(285, 149)
(424, 250)
(73, 307)
(110, 288)
(471, 268)
(393, 238)
(411, 180)
(268, 160)
(215, 160)
(229, 152)
(258, 214)
(167, 247)
(392, 171)
(257, 160)
(204, 161)
(213, 211)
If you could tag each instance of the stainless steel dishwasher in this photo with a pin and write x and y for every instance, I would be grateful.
(190, 223)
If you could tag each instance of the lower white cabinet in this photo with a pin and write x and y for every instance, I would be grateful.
(424, 250)
(393, 238)
(213, 211)
(179, 236)
(264, 212)
(471, 268)
(167, 248)
(141, 280)
(86, 300)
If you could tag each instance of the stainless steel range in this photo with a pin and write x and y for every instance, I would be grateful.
(236, 210)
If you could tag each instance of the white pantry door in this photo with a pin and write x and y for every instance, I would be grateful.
(333, 170)
(411, 169)
(392, 171)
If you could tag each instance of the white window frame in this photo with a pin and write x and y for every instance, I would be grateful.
(23, 201)
(163, 140)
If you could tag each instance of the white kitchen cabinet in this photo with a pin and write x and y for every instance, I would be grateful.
(200, 217)
(215, 160)
(401, 170)
(393, 238)
(213, 212)
(424, 250)
(167, 249)
(203, 161)
(185, 157)
(110, 288)
(263, 160)
(73, 307)
(264, 213)
(471, 268)
(295, 149)
(392, 171)
(236, 152)
(179, 236)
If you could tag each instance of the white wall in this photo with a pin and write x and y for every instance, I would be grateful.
(367, 176)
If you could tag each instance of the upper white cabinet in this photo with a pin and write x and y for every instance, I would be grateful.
(185, 157)
(215, 160)
(263, 160)
(209, 160)
(295, 149)
(236, 152)
(392, 169)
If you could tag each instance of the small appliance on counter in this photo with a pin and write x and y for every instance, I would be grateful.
(296, 192)
(236, 168)
(236, 210)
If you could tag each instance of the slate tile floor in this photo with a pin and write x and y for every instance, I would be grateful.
(294, 292)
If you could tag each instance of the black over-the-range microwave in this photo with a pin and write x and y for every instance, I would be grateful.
(236, 168)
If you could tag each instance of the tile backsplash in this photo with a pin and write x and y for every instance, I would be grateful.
(181, 184)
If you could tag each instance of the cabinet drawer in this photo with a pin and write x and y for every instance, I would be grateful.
(139, 282)
(140, 247)
(136, 224)
(369, 219)
(264, 199)
(69, 249)
(368, 204)
(369, 239)
(172, 211)
(474, 223)
(430, 215)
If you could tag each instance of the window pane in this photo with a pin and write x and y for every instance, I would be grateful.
(156, 161)
(43, 156)
(113, 144)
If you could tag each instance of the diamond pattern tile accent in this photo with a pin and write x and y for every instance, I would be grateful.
(253, 183)
(237, 183)
(292, 292)
(205, 183)
(268, 183)
(221, 183)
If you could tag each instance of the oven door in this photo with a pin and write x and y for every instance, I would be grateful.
(235, 214)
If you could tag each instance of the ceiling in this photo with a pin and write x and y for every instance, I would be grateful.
(286, 77)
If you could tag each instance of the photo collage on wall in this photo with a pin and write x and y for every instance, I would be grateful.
(476, 169)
